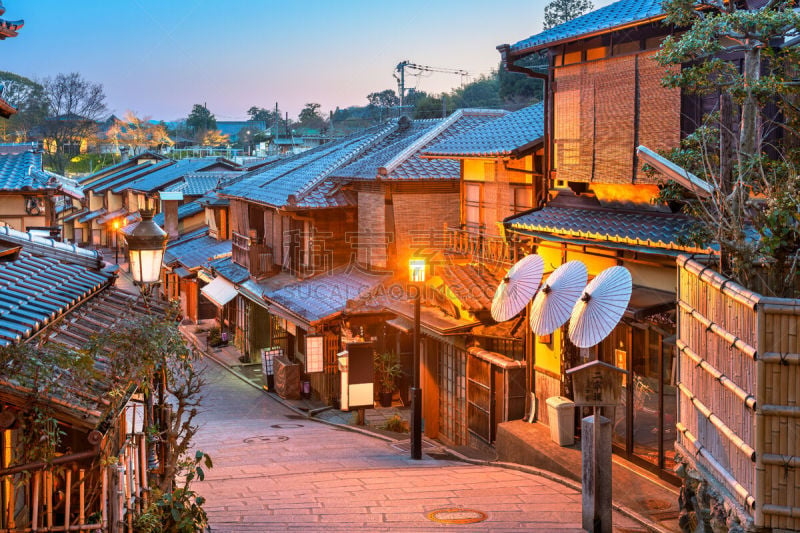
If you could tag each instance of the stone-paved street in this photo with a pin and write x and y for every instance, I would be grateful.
(275, 471)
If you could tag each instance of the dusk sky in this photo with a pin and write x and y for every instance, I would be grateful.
(158, 57)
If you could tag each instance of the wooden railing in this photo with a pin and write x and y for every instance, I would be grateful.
(104, 497)
(479, 247)
(738, 381)
(240, 246)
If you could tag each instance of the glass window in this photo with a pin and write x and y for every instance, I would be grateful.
(523, 199)
(472, 204)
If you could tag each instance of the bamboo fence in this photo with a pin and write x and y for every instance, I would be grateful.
(739, 375)
(102, 498)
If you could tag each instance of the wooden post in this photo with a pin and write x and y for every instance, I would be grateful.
(596, 478)
(37, 479)
(68, 497)
(48, 494)
(103, 498)
(143, 468)
(81, 494)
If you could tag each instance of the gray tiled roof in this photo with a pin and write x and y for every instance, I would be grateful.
(197, 251)
(229, 270)
(499, 137)
(35, 290)
(184, 211)
(165, 175)
(415, 167)
(22, 171)
(300, 174)
(63, 251)
(605, 18)
(399, 156)
(199, 183)
(324, 295)
(615, 227)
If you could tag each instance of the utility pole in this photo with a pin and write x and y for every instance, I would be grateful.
(401, 79)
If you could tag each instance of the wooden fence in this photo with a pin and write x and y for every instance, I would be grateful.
(68, 496)
(739, 380)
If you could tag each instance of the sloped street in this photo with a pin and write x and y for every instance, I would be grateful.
(277, 471)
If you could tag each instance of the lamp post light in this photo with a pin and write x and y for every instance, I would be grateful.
(416, 276)
(146, 244)
(116, 241)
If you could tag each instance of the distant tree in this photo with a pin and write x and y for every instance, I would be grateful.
(310, 117)
(201, 119)
(27, 96)
(214, 138)
(483, 92)
(517, 89)
(560, 11)
(74, 106)
(269, 116)
(385, 99)
(138, 134)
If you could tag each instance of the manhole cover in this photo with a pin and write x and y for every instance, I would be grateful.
(456, 516)
(286, 426)
(269, 439)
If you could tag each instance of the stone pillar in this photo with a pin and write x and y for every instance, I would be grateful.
(596, 497)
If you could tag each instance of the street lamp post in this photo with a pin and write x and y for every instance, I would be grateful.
(146, 244)
(416, 274)
(116, 242)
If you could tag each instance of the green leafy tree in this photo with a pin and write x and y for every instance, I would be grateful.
(310, 117)
(748, 153)
(27, 96)
(269, 116)
(560, 11)
(201, 119)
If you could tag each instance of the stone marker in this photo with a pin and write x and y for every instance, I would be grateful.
(596, 492)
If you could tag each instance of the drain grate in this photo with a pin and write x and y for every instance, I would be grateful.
(296, 417)
(286, 426)
(405, 446)
(456, 515)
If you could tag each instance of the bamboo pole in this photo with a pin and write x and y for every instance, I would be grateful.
(143, 467)
(81, 494)
(759, 429)
(37, 479)
(789, 358)
(726, 476)
(781, 510)
(735, 439)
(791, 411)
(48, 494)
(67, 497)
(748, 399)
(104, 499)
(718, 330)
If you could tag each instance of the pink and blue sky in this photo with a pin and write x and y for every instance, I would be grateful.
(158, 57)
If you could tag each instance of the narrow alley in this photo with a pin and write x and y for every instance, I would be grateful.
(277, 471)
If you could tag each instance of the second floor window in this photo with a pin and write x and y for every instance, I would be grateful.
(522, 199)
(473, 216)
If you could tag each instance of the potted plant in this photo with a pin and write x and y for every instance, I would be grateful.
(387, 370)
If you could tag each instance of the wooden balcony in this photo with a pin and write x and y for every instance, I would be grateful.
(257, 258)
(477, 246)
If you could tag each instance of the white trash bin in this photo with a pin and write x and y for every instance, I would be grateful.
(561, 413)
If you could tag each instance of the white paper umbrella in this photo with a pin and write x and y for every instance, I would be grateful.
(517, 288)
(554, 302)
(601, 306)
